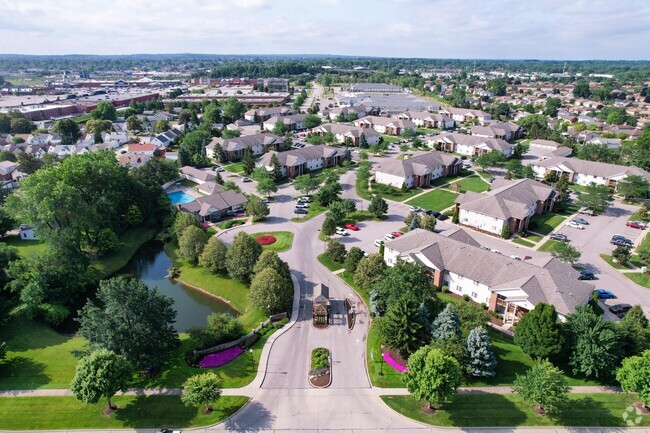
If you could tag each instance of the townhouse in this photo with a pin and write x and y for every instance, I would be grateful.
(385, 125)
(583, 172)
(214, 206)
(507, 286)
(416, 171)
(196, 175)
(466, 115)
(357, 111)
(293, 122)
(300, 161)
(343, 133)
(10, 175)
(510, 204)
(234, 147)
(264, 114)
(505, 131)
(470, 145)
(428, 120)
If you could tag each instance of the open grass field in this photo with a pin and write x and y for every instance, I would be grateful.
(548, 246)
(438, 200)
(489, 410)
(385, 191)
(546, 222)
(50, 413)
(472, 183)
(24, 247)
(235, 167)
(283, 241)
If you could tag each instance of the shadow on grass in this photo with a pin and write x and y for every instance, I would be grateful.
(29, 374)
(164, 411)
(482, 410)
(587, 412)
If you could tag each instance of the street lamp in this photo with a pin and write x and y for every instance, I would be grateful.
(250, 351)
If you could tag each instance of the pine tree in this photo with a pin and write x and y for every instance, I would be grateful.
(403, 328)
(482, 362)
(447, 324)
(218, 153)
(218, 179)
(416, 223)
(277, 168)
(363, 142)
(248, 161)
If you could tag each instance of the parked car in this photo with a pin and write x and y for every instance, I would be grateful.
(586, 211)
(620, 309)
(559, 237)
(415, 209)
(246, 179)
(604, 294)
(514, 256)
(442, 217)
(622, 242)
(575, 225)
(636, 225)
(305, 199)
(494, 250)
(586, 275)
(389, 237)
(397, 234)
(300, 211)
(379, 242)
(352, 227)
(342, 232)
(302, 205)
(580, 221)
(265, 200)
(621, 238)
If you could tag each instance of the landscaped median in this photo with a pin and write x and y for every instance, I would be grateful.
(274, 241)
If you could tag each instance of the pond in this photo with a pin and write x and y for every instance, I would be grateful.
(150, 264)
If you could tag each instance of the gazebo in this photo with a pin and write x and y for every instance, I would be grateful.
(321, 307)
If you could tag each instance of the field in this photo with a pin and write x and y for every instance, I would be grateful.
(24, 247)
(437, 200)
(385, 191)
(472, 183)
(546, 222)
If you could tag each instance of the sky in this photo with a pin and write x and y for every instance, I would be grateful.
(475, 29)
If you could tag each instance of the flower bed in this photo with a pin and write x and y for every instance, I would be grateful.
(222, 358)
(394, 364)
(266, 239)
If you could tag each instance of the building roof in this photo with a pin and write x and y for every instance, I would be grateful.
(472, 140)
(346, 130)
(593, 168)
(210, 204)
(294, 157)
(194, 172)
(420, 164)
(240, 143)
(548, 143)
(496, 129)
(386, 121)
(554, 283)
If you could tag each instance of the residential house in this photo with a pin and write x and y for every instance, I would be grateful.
(610, 143)
(505, 131)
(385, 125)
(134, 160)
(427, 119)
(213, 207)
(510, 204)
(234, 147)
(466, 115)
(196, 175)
(300, 161)
(470, 145)
(544, 144)
(357, 110)
(115, 139)
(293, 122)
(507, 286)
(142, 149)
(583, 172)
(166, 138)
(10, 175)
(417, 171)
(264, 114)
(350, 133)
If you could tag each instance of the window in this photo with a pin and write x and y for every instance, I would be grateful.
(474, 295)
(475, 283)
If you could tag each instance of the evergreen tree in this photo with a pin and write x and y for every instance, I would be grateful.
(446, 325)
(539, 333)
(248, 161)
(218, 153)
(416, 222)
(329, 226)
(482, 362)
(403, 328)
(276, 173)
(378, 206)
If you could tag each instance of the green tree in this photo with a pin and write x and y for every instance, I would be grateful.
(212, 114)
(270, 292)
(220, 328)
(277, 168)
(634, 187)
(232, 110)
(622, 254)
(595, 197)
(352, 259)
(402, 327)
(266, 187)
(336, 211)
(218, 153)
(306, 184)
(22, 126)
(416, 223)
(104, 111)
(581, 89)
(370, 270)
(68, 129)
(201, 390)
(378, 206)
(632, 331)
(6, 222)
(257, 209)
(133, 124)
(248, 161)
(348, 206)
(482, 362)
(552, 106)
(447, 325)
(565, 252)
(242, 256)
(363, 141)
(193, 145)
(404, 279)
(279, 128)
(471, 315)
(133, 216)
(182, 221)
(543, 385)
(311, 121)
(527, 172)
(328, 193)
(329, 226)
(429, 223)
(634, 376)
(539, 333)
(101, 373)
(191, 244)
(161, 125)
(432, 376)
(492, 159)
(270, 259)
(497, 86)
(213, 256)
(335, 250)
(230, 185)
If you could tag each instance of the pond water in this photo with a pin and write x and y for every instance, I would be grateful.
(150, 264)
(180, 197)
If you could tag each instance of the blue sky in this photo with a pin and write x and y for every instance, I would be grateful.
(540, 29)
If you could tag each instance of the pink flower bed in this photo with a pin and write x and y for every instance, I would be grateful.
(222, 358)
(394, 364)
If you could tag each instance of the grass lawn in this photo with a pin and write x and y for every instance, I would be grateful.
(314, 210)
(437, 200)
(130, 242)
(234, 167)
(534, 238)
(450, 179)
(329, 263)
(480, 410)
(24, 247)
(546, 222)
(549, 246)
(639, 278)
(283, 241)
(422, 130)
(610, 261)
(472, 183)
(381, 374)
(484, 174)
(349, 279)
(636, 261)
(523, 242)
(389, 139)
(385, 191)
(45, 413)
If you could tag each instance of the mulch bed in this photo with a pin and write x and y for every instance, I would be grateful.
(539, 411)
(395, 355)
(109, 410)
(496, 321)
(320, 381)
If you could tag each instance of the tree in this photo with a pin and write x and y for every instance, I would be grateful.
(201, 390)
(328, 193)
(497, 86)
(232, 110)
(335, 250)
(482, 362)
(363, 141)
(161, 125)
(306, 184)
(565, 252)
(336, 211)
(22, 126)
(221, 328)
(68, 129)
(329, 226)
(527, 172)
(403, 328)
(595, 197)
(352, 259)
(492, 159)
(552, 106)
(539, 333)
(266, 187)
(270, 292)
(270, 260)
(248, 161)
(213, 256)
(6, 222)
(279, 128)
(543, 385)
(191, 244)
(193, 145)
(257, 209)
(634, 187)
(311, 121)
(242, 256)
(594, 345)
(102, 373)
(446, 325)
(416, 222)
(104, 111)
(348, 206)
(230, 185)
(429, 223)
(471, 315)
(211, 114)
(182, 221)
(378, 206)
(634, 376)
(133, 124)
(370, 271)
(277, 168)
(621, 254)
(581, 89)
(404, 279)
(632, 330)
(432, 376)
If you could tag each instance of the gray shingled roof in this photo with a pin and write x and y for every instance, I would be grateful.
(419, 164)
(295, 157)
(600, 169)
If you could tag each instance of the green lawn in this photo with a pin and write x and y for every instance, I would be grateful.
(24, 247)
(534, 238)
(422, 130)
(484, 174)
(385, 191)
(130, 242)
(549, 246)
(188, 183)
(546, 222)
(437, 200)
(381, 374)
(610, 261)
(389, 139)
(523, 242)
(639, 278)
(235, 167)
(329, 263)
(450, 179)
(490, 410)
(472, 183)
(283, 241)
(49, 413)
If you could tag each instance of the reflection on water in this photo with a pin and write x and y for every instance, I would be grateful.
(150, 264)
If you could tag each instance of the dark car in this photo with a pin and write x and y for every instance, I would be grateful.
(559, 237)
(622, 238)
(622, 243)
(586, 275)
(604, 294)
(620, 309)
(580, 221)
(300, 211)
(442, 217)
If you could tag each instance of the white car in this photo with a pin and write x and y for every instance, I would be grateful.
(379, 242)
(495, 251)
(304, 199)
(415, 209)
(342, 232)
(514, 256)
(389, 237)
(575, 225)
(302, 205)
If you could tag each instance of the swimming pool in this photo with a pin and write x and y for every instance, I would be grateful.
(180, 197)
